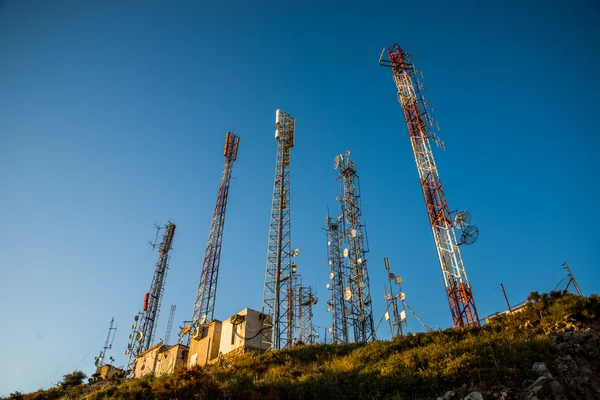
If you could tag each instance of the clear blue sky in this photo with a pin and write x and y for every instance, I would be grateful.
(113, 116)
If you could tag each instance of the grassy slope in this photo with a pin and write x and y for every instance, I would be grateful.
(419, 366)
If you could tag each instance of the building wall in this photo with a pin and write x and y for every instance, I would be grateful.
(170, 359)
(146, 362)
(245, 335)
(107, 371)
(203, 350)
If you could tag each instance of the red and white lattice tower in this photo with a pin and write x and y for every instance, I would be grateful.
(421, 132)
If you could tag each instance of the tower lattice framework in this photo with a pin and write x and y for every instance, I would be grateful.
(145, 322)
(339, 279)
(278, 296)
(204, 306)
(306, 300)
(358, 293)
(421, 132)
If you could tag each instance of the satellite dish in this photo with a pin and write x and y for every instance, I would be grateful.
(329, 243)
(360, 260)
(139, 336)
(331, 275)
(348, 294)
(98, 361)
(314, 300)
(353, 233)
(345, 252)
(391, 276)
(316, 335)
(398, 280)
(131, 336)
(330, 330)
(469, 235)
(132, 326)
(136, 317)
(328, 286)
(387, 296)
(401, 296)
(127, 352)
(328, 309)
(330, 262)
(462, 219)
(202, 320)
(347, 153)
(295, 252)
(336, 162)
(180, 340)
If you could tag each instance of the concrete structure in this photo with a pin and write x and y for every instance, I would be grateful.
(107, 371)
(244, 331)
(160, 360)
(204, 350)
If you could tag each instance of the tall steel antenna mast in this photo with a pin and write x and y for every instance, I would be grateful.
(306, 300)
(358, 293)
(170, 324)
(339, 279)
(278, 296)
(204, 307)
(421, 132)
(145, 322)
(107, 344)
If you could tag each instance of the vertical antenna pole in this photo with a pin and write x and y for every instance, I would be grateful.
(572, 279)
(506, 298)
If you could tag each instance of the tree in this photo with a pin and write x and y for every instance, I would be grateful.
(75, 378)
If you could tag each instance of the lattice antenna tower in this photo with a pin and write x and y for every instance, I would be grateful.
(204, 305)
(306, 300)
(144, 325)
(421, 130)
(170, 324)
(278, 296)
(339, 278)
(107, 344)
(357, 294)
(398, 315)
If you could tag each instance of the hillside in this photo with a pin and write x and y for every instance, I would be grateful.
(550, 349)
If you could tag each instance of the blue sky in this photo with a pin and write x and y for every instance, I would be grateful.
(113, 116)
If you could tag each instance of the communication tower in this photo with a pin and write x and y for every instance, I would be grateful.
(204, 306)
(357, 294)
(391, 299)
(144, 325)
(339, 278)
(107, 344)
(278, 296)
(306, 300)
(170, 324)
(421, 129)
